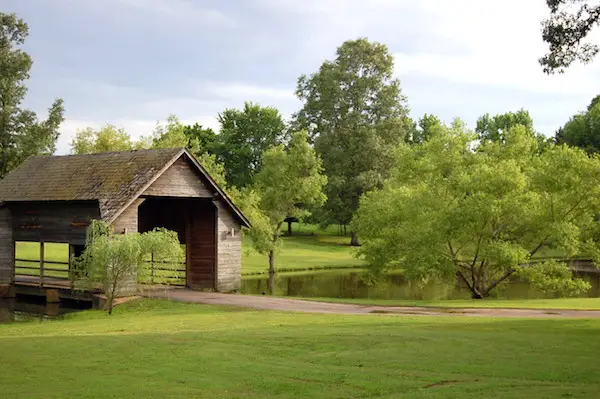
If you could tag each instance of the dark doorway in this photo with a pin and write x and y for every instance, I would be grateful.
(194, 220)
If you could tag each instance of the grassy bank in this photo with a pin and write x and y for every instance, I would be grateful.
(561, 303)
(158, 349)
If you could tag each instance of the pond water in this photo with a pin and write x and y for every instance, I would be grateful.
(340, 284)
(33, 309)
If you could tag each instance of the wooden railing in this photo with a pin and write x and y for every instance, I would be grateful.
(164, 272)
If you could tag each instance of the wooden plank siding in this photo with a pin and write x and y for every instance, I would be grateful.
(7, 248)
(229, 250)
(65, 221)
(180, 180)
(202, 254)
(128, 220)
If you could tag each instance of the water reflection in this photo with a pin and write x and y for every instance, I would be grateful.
(31, 308)
(350, 285)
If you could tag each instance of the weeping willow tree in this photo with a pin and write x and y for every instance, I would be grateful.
(117, 261)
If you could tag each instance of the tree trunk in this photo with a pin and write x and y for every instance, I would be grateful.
(289, 228)
(354, 239)
(345, 231)
(271, 283)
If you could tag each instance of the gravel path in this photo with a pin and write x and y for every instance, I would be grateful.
(297, 305)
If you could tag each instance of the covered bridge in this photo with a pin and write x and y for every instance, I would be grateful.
(53, 198)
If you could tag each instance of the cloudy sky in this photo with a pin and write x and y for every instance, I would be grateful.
(133, 62)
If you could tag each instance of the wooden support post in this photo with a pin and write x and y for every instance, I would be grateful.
(41, 264)
(14, 262)
(71, 255)
(52, 296)
(152, 268)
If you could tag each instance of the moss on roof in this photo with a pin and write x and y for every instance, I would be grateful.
(111, 178)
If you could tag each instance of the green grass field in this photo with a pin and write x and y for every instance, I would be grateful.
(308, 249)
(159, 349)
(561, 303)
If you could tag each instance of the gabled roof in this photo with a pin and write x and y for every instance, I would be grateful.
(114, 179)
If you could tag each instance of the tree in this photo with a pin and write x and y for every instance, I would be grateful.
(200, 139)
(174, 134)
(429, 126)
(583, 129)
(21, 134)
(481, 216)
(289, 182)
(494, 128)
(565, 30)
(355, 113)
(116, 260)
(244, 137)
(107, 138)
(170, 135)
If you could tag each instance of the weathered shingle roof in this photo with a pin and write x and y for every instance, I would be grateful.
(112, 178)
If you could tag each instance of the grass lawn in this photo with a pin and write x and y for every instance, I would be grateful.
(309, 249)
(561, 303)
(160, 349)
(304, 252)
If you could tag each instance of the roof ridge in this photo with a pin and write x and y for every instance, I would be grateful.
(174, 149)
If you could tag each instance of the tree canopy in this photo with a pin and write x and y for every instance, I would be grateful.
(355, 113)
(21, 133)
(483, 215)
(107, 138)
(289, 183)
(583, 129)
(244, 137)
(565, 31)
(494, 128)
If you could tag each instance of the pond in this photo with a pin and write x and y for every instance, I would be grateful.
(36, 309)
(341, 284)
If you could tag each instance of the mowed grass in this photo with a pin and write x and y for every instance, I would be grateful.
(560, 303)
(161, 349)
(308, 249)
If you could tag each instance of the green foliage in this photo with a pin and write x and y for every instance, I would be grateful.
(21, 134)
(289, 182)
(200, 140)
(170, 135)
(244, 137)
(494, 128)
(106, 139)
(583, 129)
(429, 126)
(480, 216)
(117, 260)
(565, 30)
(355, 113)
(556, 277)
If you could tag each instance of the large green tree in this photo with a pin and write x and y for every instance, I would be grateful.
(583, 129)
(244, 137)
(481, 216)
(565, 31)
(21, 133)
(288, 184)
(107, 138)
(355, 114)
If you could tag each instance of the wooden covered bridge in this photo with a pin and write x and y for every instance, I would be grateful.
(52, 199)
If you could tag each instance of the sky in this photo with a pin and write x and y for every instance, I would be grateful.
(133, 62)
